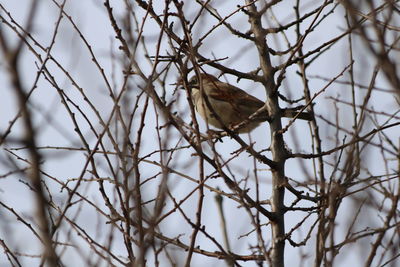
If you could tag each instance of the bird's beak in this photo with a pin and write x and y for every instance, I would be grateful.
(191, 85)
(180, 84)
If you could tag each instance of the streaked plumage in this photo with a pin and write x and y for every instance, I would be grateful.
(230, 103)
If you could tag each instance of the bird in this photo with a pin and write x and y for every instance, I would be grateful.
(229, 105)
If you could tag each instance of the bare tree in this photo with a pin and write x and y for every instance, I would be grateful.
(105, 161)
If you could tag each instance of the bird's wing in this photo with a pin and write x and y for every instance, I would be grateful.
(226, 92)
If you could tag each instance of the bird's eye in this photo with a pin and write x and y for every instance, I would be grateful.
(194, 82)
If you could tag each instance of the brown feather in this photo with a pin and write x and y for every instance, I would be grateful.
(228, 105)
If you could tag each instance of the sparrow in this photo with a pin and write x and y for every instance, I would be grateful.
(229, 105)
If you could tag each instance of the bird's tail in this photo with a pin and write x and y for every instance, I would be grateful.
(294, 112)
